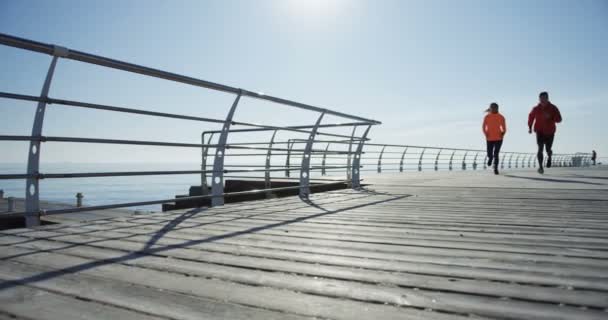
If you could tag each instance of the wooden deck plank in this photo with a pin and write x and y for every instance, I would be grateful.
(421, 246)
(213, 261)
(260, 295)
(28, 302)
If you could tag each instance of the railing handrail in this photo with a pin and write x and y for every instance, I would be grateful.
(218, 170)
(66, 53)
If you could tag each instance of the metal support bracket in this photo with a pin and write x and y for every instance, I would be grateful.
(349, 156)
(32, 192)
(323, 171)
(290, 144)
(380, 160)
(420, 160)
(402, 160)
(464, 161)
(305, 166)
(452, 158)
(475, 161)
(355, 176)
(437, 160)
(204, 185)
(217, 182)
(267, 165)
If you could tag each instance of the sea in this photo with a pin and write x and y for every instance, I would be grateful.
(108, 190)
(105, 190)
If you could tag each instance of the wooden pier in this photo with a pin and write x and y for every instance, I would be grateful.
(433, 245)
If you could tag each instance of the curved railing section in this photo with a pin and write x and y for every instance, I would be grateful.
(218, 148)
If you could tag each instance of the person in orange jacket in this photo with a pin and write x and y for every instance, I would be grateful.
(494, 127)
(544, 116)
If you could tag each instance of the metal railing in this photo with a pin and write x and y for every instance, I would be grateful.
(220, 148)
(313, 150)
(401, 158)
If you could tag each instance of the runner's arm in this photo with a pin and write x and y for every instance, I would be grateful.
(557, 116)
(531, 118)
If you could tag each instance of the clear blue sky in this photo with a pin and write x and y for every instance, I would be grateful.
(426, 69)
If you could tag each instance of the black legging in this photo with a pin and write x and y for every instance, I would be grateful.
(544, 141)
(493, 150)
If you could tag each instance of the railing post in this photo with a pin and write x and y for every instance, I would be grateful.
(464, 161)
(420, 160)
(305, 167)
(204, 185)
(323, 171)
(217, 182)
(290, 144)
(349, 155)
(32, 192)
(502, 163)
(485, 162)
(517, 161)
(267, 166)
(380, 160)
(355, 176)
(475, 161)
(402, 160)
(451, 158)
(437, 160)
(530, 160)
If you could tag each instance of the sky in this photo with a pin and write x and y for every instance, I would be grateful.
(426, 69)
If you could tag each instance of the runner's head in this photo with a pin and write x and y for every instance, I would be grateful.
(543, 97)
(493, 108)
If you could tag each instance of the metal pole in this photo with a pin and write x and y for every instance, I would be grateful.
(452, 158)
(32, 192)
(402, 160)
(305, 167)
(420, 160)
(1, 194)
(204, 185)
(267, 166)
(217, 181)
(475, 161)
(324, 158)
(464, 161)
(355, 177)
(485, 162)
(349, 155)
(380, 160)
(290, 144)
(437, 160)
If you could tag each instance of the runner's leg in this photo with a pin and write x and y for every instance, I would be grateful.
(549, 147)
(490, 148)
(539, 155)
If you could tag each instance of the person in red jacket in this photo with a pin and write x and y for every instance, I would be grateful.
(544, 116)
(494, 127)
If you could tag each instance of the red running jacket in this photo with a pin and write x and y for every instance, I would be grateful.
(544, 118)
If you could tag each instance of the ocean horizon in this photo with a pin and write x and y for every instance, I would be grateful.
(109, 190)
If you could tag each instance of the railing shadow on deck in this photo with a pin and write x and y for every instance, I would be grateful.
(149, 250)
(544, 179)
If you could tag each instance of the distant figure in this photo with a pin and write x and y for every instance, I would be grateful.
(544, 116)
(494, 127)
(593, 156)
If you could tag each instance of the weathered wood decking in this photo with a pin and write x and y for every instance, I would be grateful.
(412, 246)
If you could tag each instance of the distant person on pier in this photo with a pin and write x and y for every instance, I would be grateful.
(593, 156)
(543, 117)
(494, 127)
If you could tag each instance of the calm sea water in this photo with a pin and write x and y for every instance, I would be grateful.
(107, 190)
